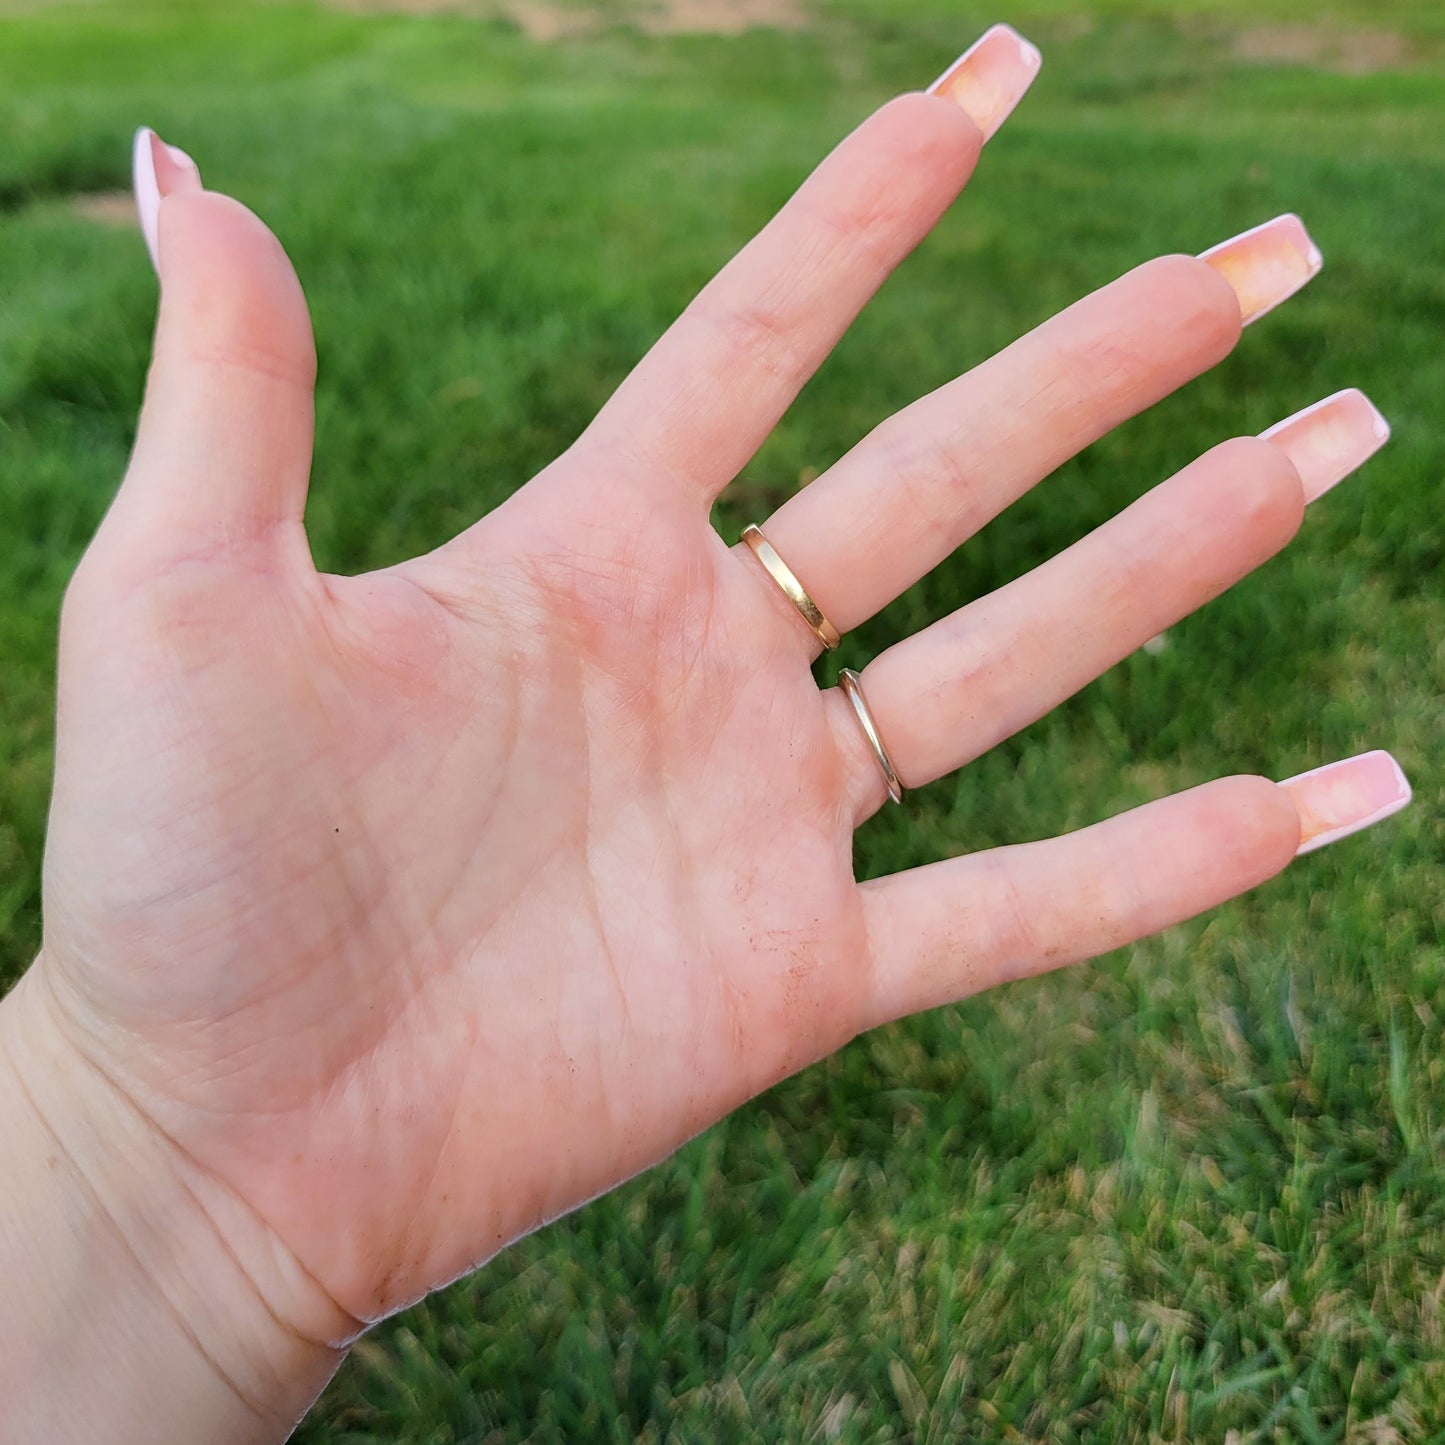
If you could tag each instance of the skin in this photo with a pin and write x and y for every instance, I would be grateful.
(388, 917)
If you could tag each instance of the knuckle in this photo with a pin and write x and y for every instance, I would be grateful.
(927, 474)
(255, 355)
(856, 216)
(1022, 939)
(1116, 360)
(1135, 340)
(1202, 530)
(760, 332)
(237, 291)
(892, 177)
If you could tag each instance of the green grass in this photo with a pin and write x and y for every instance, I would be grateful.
(1194, 1188)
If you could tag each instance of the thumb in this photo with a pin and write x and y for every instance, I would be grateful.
(223, 449)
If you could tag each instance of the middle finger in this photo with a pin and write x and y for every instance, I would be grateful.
(933, 474)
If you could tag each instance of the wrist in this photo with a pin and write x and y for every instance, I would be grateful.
(143, 1300)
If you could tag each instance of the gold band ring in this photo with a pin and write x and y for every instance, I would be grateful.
(794, 590)
(852, 685)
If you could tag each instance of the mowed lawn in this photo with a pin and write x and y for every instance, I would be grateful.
(1193, 1191)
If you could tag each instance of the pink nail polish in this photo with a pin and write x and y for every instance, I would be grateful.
(990, 77)
(1343, 797)
(1329, 440)
(1266, 265)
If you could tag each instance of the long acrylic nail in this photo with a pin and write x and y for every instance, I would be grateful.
(1329, 440)
(1341, 798)
(1266, 265)
(990, 77)
(157, 169)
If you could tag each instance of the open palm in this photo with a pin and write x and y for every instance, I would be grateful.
(418, 907)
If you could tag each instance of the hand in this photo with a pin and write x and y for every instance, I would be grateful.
(403, 912)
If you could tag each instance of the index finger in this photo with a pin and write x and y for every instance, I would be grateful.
(702, 401)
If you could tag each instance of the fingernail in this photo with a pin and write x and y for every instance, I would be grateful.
(1341, 798)
(990, 77)
(1331, 439)
(1266, 265)
(157, 170)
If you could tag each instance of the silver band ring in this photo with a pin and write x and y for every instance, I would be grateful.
(852, 685)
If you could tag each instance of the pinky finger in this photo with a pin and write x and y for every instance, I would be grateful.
(958, 927)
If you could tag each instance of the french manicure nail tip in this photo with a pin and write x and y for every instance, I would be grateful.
(1331, 439)
(1343, 797)
(989, 79)
(146, 190)
(1266, 265)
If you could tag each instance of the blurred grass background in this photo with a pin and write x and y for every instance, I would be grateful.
(1195, 1191)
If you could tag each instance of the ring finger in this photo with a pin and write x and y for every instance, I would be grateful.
(949, 693)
